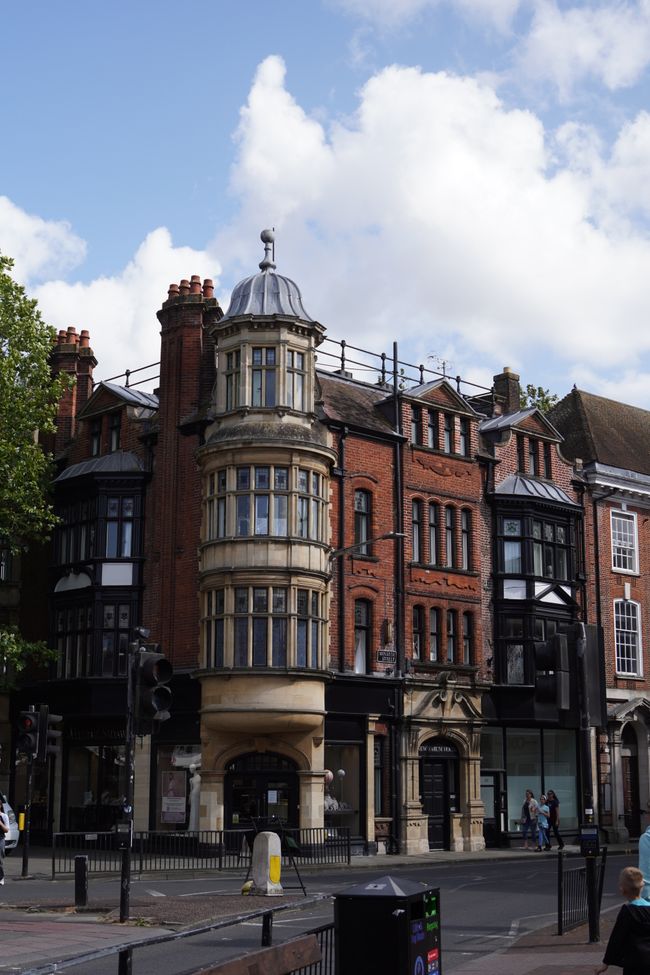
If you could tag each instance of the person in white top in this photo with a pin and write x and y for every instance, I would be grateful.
(4, 829)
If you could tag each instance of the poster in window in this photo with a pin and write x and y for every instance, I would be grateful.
(173, 797)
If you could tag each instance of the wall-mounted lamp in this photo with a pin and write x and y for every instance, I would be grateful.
(338, 552)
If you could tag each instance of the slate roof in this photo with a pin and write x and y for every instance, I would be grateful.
(120, 462)
(603, 431)
(135, 397)
(356, 404)
(517, 485)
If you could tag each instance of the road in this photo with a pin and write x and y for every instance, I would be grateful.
(484, 907)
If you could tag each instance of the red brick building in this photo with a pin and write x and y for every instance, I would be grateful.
(350, 579)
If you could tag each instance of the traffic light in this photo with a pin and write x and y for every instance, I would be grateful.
(153, 696)
(27, 733)
(552, 671)
(48, 735)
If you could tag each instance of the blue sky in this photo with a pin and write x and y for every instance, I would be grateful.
(469, 177)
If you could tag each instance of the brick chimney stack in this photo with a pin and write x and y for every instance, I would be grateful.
(507, 391)
(72, 354)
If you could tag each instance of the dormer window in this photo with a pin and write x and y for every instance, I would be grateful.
(448, 434)
(432, 429)
(463, 437)
(533, 457)
(416, 425)
(96, 437)
(264, 377)
(114, 426)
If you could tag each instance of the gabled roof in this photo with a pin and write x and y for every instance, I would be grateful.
(527, 419)
(119, 462)
(354, 403)
(107, 396)
(604, 431)
(441, 392)
(519, 486)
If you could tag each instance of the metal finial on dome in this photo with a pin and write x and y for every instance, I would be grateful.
(268, 239)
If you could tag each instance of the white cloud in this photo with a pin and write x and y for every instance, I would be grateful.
(38, 247)
(120, 311)
(393, 13)
(440, 216)
(608, 42)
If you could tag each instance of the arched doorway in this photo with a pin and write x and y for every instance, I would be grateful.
(261, 786)
(630, 777)
(439, 778)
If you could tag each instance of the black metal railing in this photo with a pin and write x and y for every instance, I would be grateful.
(228, 849)
(325, 936)
(573, 893)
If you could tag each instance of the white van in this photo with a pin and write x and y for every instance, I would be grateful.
(11, 838)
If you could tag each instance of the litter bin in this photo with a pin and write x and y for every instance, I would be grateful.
(388, 925)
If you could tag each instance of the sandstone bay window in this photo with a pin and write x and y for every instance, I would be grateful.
(266, 633)
(233, 380)
(310, 505)
(216, 505)
(262, 501)
(296, 380)
(627, 633)
(263, 376)
(362, 530)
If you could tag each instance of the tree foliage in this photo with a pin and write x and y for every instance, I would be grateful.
(539, 397)
(28, 402)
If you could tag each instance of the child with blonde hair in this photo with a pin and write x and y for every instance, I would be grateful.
(629, 943)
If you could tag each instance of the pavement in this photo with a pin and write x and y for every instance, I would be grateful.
(38, 937)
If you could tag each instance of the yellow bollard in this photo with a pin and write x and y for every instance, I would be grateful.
(21, 821)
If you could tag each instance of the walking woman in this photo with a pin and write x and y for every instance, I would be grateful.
(529, 820)
(554, 818)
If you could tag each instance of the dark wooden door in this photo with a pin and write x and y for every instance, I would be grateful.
(631, 805)
(435, 801)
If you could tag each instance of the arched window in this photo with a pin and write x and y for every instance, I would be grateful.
(434, 528)
(362, 633)
(418, 633)
(450, 530)
(452, 636)
(362, 512)
(466, 539)
(468, 636)
(434, 634)
(417, 531)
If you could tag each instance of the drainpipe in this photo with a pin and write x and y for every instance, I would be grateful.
(399, 608)
(341, 544)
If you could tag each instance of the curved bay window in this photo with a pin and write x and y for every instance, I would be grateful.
(263, 626)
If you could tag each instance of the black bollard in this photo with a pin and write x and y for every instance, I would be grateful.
(80, 881)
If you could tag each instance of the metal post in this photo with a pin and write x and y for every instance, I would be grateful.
(125, 882)
(80, 881)
(28, 815)
(267, 930)
(560, 892)
(592, 899)
(124, 962)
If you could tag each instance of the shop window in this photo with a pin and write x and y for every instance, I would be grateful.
(362, 635)
(362, 529)
(541, 760)
(263, 377)
(296, 380)
(343, 797)
(96, 787)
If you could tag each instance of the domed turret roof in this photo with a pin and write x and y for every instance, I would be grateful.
(267, 293)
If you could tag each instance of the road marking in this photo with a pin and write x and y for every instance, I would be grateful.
(203, 893)
(154, 893)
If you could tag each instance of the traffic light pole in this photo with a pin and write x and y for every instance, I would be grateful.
(125, 883)
(28, 816)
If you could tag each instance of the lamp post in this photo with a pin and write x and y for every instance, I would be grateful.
(339, 552)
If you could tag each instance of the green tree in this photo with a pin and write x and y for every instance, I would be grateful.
(29, 396)
(539, 397)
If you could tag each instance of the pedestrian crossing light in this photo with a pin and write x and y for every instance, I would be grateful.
(48, 734)
(27, 734)
(153, 695)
